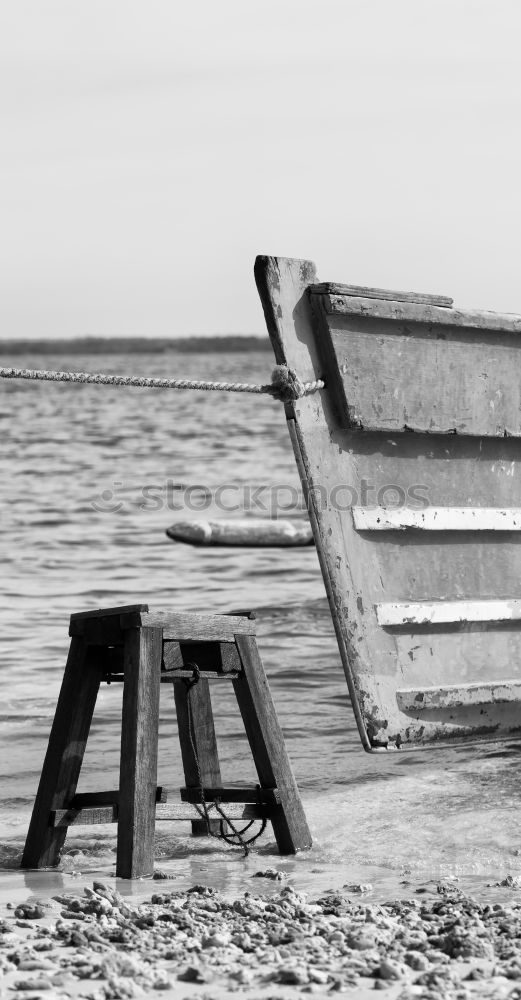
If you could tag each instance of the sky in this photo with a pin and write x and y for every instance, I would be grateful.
(151, 149)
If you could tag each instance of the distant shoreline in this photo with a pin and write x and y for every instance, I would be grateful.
(136, 345)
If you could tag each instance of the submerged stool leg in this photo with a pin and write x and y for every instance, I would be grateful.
(268, 748)
(139, 736)
(63, 760)
(198, 742)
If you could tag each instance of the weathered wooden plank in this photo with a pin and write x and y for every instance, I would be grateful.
(362, 291)
(342, 468)
(458, 695)
(468, 653)
(170, 676)
(421, 565)
(444, 612)
(246, 532)
(268, 748)
(65, 751)
(392, 377)
(98, 631)
(235, 810)
(198, 741)
(108, 612)
(233, 793)
(230, 659)
(62, 818)
(89, 800)
(437, 519)
(189, 627)
(186, 626)
(216, 661)
(282, 285)
(410, 312)
(172, 656)
(138, 768)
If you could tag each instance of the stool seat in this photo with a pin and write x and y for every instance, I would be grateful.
(144, 649)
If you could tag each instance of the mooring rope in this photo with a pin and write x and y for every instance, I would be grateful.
(237, 837)
(285, 383)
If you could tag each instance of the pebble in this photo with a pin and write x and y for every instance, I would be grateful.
(117, 949)
(360, 942)
(33, 964)
(416, 961)
(34, 985)
(318, 976)
(292, 976)
(29, 911)
(390, 970)
(195, 974)
(272, 873)
(216, 941)
(511, 882)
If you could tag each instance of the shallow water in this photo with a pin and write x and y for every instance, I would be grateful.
(91, 478)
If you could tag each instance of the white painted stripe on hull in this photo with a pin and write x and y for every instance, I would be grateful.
(437, 519)
(458, 695)
(447, 612)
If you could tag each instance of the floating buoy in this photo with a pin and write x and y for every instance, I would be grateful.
(248, 532)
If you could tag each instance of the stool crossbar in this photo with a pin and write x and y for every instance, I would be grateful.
(144, 649)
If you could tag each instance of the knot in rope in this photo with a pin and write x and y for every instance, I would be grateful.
(286, 384)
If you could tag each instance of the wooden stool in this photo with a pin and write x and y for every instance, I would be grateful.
(143, 649)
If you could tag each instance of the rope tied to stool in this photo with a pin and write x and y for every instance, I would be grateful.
(237, 837)
(285, 383)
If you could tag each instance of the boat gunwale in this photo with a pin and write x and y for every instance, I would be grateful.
(399, 310)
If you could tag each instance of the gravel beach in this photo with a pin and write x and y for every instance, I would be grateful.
(196, 943)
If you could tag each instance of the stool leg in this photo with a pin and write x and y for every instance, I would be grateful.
(63, 760)
(196, 726)
(269, 752)
(143, 649)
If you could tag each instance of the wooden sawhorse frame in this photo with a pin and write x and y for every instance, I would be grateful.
(144, 649)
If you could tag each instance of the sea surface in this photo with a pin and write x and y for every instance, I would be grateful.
(91, 477)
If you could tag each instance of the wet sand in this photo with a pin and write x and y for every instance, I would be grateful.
(94, 942)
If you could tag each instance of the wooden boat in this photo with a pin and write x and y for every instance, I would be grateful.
(411, 459)
(245, 532)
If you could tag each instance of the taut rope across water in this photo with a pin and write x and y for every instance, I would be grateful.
(285, 383)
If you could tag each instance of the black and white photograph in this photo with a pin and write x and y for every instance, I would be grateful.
(260, 493)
